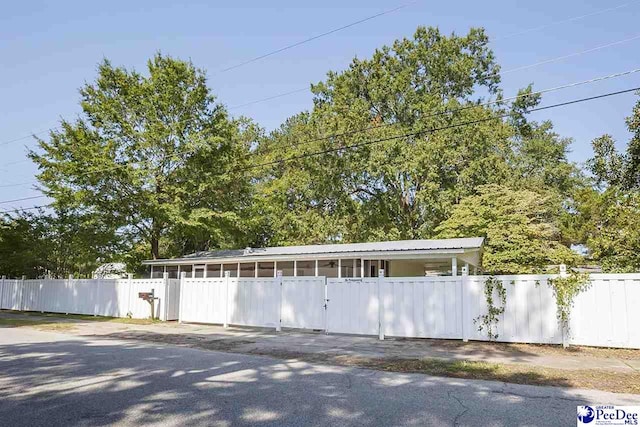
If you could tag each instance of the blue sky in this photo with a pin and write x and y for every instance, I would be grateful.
(49, 49)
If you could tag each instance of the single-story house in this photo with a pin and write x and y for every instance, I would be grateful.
(402, 258)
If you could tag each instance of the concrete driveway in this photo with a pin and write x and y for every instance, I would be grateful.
(58, 379)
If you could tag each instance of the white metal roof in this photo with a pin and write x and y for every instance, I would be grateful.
(469, 243)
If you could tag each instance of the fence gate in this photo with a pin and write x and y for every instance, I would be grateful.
(303, 302)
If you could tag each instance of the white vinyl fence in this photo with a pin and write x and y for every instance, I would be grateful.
(421, 307)
(99, 297)
(606, 314)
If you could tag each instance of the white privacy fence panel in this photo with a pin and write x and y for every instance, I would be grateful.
(254, 301)
(529, 314)
(203, 300)
(11, 297)
(425, 307)
(353, 306)
(303, 300)
(607, 314)
(99, 297)
(141, 309)
(172, 297)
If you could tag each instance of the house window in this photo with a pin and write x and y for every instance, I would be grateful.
(231, 268)
(157, 272)
(306, 268)
(214, 270)
(172, 271)
(186, 269)
(265, 269)
(346, 268)
(198, 271)
(248, 269)
(358, 267)
(328, 268)
(286, 267)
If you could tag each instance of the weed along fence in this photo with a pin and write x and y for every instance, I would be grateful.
(605, 314)
(99, 297)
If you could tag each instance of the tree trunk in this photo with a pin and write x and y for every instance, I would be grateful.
(155, 240)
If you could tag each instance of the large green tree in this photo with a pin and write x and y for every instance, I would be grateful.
(153, 155)
(521, 229)
(55, 244)
(607, 216)
(401, 187)
(433, 89)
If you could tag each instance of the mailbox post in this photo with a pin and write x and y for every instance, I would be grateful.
(150, 298)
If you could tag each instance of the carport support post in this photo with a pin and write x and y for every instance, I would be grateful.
(227, 275)
(278, 281)
(183, 276)
(380, 304)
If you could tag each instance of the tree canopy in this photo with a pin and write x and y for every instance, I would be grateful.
(153, 156)
(415, 141)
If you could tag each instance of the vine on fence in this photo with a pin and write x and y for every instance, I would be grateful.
(565, 289)
(489, 321)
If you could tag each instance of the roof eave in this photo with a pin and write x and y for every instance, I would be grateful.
(396, 254)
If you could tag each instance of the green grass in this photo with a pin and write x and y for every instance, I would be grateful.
(84, 318)
(16, 323)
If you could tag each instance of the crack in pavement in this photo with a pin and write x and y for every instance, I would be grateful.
(460, 414)
(506, 392)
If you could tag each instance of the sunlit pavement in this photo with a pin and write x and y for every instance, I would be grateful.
(58, 379)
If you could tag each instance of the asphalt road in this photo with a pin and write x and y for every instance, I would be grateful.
(56, 379)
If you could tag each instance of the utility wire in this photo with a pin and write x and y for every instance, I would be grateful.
(276, 96)
(436, 114)
(335, 30)
(571, 55)
(429, 131)
(467, 107)
(524, 67)
(19, 184)
(564, 21)
(449, 111)
(395, 137)
(20, 200)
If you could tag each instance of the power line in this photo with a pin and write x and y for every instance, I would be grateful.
(335, 30)
(395, 137)
(233, 107)
(571, 55)
(22, 199)
(280, 95)
(467, 107)
(436, 114)
(19, 184)
(26, 209)
(524, 67)
(432, 130)
(563, 21)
